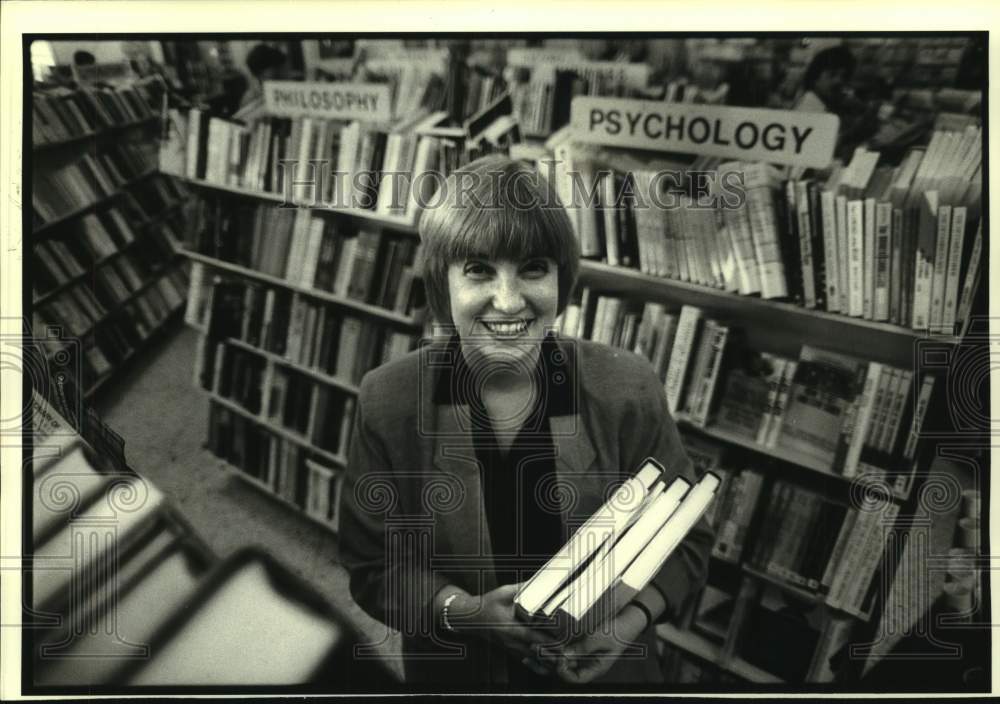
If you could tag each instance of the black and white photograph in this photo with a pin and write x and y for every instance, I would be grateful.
(470, 359)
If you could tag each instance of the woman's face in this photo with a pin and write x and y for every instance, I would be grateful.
(502, 308)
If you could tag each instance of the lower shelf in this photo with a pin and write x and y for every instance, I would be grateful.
(264, 488)
(711, 652)
(171, 318)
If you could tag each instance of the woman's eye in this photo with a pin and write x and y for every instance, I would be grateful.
(536, 267)
(475, 269)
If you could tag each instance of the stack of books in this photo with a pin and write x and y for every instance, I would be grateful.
(617, 552)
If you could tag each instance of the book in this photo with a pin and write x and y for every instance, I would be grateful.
(627, 580)
(611, 518)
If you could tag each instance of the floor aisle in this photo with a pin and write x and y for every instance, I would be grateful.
(163, 419)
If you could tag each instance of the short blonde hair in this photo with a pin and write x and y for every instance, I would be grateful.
(494, 208)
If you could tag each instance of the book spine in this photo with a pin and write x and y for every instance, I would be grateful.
(862, 419)
(781, 402)
(856, 248)
(971, 278)
(687, 333)
(711, 379)
(869, 259)
(763, 229)
(773, 389)
(950, 306)
(843, 258)
(871, 557)
(883, 246)
(805, 243)
(942, 246)
(919, 411)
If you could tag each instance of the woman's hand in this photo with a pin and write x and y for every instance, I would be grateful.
(590, 657)
(492, 617)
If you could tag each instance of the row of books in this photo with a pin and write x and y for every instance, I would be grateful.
(316, 413)
(313, 161)
(287, 469)
(111, 334)
(311, 251)
(316, 336)
(801, 537)
(893, 244)
(851, 414)
(60, 114)
(89, 246)
(542, 93)
(63, 190)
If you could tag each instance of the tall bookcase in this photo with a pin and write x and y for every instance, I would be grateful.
(105, 234)
(612, 305)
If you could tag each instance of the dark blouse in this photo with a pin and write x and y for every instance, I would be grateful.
(519, 489)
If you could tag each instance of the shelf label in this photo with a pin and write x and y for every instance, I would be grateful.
(747, 134)
(368, 102)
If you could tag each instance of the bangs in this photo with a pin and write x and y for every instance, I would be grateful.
(505, 233)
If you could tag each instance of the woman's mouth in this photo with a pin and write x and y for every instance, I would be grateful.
(507, 328)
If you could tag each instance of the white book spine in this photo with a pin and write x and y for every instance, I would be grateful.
(687, 329)
(855, 262)
(863, 419)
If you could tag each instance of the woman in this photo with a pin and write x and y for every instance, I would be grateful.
(474, 459)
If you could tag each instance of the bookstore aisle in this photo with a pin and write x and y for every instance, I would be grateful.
(163, 423)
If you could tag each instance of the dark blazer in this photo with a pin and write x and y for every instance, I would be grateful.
(412, 517)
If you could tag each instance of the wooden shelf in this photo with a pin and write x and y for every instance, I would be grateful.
(397, 224)
(90, 206)
(290, 435)
(777, 453)
(92, 268)
(367, 309)
(711, 652)
(321, 376)
(105, 131)
(101, 382)
(270, 492)
(770, 325)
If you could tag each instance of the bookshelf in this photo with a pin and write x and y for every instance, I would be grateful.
(337, 297)
(104, 240)
(685, 308)
(396, 224)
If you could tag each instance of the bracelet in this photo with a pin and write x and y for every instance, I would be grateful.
(444, 612)
(642, 607)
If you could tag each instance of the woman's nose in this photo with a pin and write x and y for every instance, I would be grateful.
(507, 298)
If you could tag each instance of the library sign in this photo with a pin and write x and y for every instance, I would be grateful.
(368, 102)
(747, 134)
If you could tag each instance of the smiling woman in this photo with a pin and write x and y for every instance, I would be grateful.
(474, 459)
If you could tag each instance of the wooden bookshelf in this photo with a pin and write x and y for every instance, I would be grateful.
(269, 491)
(365, 308)
(82, 210)
(89, 136)
(290, 435)
(167, 322)
(770, 325)
(388, 222)
(316, 374)
(713, 653)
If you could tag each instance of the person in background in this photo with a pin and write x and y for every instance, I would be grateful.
(825, 89)
(265, 63)
(474, 438)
